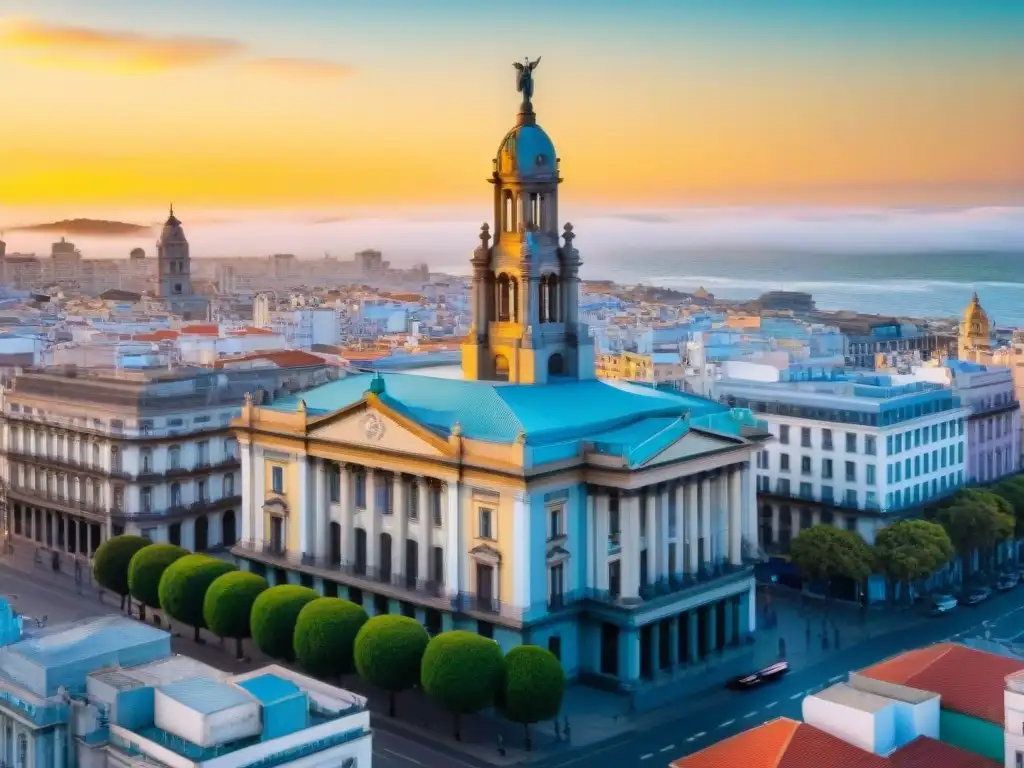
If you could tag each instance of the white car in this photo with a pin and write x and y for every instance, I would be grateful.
(943, 604)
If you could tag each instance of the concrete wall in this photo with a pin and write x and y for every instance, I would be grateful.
(871, 731)
(972, 734)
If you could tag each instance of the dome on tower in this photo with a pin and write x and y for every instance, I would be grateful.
(172, 231)
(974, 314)
(527, 152)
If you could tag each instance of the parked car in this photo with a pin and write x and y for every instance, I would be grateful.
(769, 674)
(976, 595)
(1008, 581)
(943, 604)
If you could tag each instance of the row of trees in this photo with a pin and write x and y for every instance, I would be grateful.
(973, 520)
(330, 637)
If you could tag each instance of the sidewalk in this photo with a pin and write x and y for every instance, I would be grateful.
(806, 627)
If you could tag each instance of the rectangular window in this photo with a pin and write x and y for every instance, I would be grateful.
(826, 439)
(869, 445)
(805, 437)
(784, 486)
(942, 430)
(826, 469)
(917, 466)
(917, 438)
(899, 471)
(869, 472)
(277, 479)
(899, 443)
(851, 442)
(805, 465)
(360, 483)
(935, 433)
(851, 472)
(906, 469)
(555, 523)
(334, 481)
(925, 469)
(485, 522)
(888, 445)
(784, 434)
(806, 491)
(960, 453)
(784, 462)
(826, 493)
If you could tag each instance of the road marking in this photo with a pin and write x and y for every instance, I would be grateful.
(726, 724)
(690, 739)
(400, 755)
(700, 735)
(666, 749)
(796, 696)
(769, 706)
(835, 679)
(648, 756)
(750, 714)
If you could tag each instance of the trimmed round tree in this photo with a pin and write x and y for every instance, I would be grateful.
(325, 636)
(110, 563)
(144, 572)
(228, 605)
(388, 651)
(183, 588)
(273, 617)
(532, 688)
(462, 672)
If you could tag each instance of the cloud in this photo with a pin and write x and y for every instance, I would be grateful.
(306, 68)
(131, 50)
(64, 45)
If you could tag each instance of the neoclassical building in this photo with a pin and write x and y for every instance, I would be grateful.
(613, 523)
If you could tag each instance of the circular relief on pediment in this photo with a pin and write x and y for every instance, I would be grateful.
(373, 427)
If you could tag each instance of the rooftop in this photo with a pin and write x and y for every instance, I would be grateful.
(269, 688)
(72, 643)
(969, 681)
(205, 695)
(499, 412)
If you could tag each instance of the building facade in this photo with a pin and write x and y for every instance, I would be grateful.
(529, 502)
(854, 453)
(174, 272)
(88, 454)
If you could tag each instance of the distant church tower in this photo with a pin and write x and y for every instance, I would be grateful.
(974, 342)
(525, 299)
(173, 263)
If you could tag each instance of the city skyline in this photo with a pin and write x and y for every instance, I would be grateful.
(691, 104)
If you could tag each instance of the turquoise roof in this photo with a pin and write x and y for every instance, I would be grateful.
(82, 641)
(269, 688)
(560, 411)
(532, 149)
(205, 695)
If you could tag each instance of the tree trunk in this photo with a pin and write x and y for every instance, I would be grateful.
(528, 740)
(142, 611)
(456, 721)
(129, 598)
(122, 603)
(238, 648)
(391, 704)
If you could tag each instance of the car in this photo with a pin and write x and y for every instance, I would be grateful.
(976, 595)
(943, 604)
(1008, 581)
(769, 674)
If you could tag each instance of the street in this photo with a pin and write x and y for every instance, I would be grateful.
(696, 724)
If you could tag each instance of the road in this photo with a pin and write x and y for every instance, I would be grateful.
(697, 724)
(36, 595)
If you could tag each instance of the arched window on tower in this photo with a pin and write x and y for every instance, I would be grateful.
(501, 368)
(520, 214)
(508, 212)
(536, 210)
(542, 299)
(514, 299)
(503, 298)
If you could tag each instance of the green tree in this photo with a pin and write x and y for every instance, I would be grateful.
(183, 588)
(825, 553)
(976, 521)
(462, 672)
(910, 550)
(325, 636)
(1012, 490)
(274, 613)
(387, 653)
(532, 687)
(110, 564)
(144, 572)
(228, 605)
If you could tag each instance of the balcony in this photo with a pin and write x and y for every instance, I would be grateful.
(54, 500)
(179, 511)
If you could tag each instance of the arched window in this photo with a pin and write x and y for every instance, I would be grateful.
(175, 495)
(508, 212)
(514, 298)
(537, 210)
(501, 368)
(147, 460)
(229, 485)
(556, 365)
(174, 457)
(503, 297)
(553, 308)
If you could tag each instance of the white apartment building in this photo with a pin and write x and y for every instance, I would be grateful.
(853, 451)
(88, 454)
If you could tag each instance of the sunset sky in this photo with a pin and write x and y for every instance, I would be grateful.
(224, 104)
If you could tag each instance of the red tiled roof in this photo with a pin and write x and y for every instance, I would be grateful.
(923, 752)
(156, 336)
(202, 329)
(250, 331)
(760, 747)
(285, 358)
(968, 681)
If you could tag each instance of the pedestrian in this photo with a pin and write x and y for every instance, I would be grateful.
(566, 730)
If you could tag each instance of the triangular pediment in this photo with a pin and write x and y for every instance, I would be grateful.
(692, 445)
(372, 424)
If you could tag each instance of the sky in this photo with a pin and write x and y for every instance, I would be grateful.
(112, 107)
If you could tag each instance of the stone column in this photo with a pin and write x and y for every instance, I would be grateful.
(752, 525)
(401, 518)
(629, 505)
(371, 520)
(601, 541)
(663, 530)
(735, 518)
(711, 628)
(259, 492)
(682, 551)
(188, 534)
(729, 620)
(655, 648)
(693, 636)
(248, 492)
(321, 510)
(453, 554)
(346, 522)
(673, 642)
(651, 544)
(303, 511)
(521, 551)
(692, 527)
(425, 539)
(705, 520)
(592, 551)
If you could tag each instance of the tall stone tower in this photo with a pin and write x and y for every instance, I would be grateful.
(525, 300)
(974, 341)
(174, 266)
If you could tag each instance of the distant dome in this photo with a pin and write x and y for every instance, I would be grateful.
(172, 231)
(527, 152)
